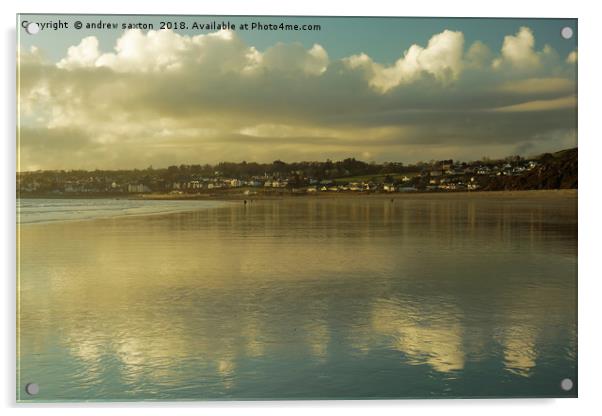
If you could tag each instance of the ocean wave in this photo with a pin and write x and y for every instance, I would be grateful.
(34, 211)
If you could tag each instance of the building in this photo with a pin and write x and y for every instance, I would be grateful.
(138, 188)
(194, 185)
(389, 187)
(279, 184)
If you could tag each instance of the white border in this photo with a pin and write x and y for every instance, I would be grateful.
(590, 149)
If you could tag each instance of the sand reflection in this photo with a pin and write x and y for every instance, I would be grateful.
(422, 337)
(229, 300)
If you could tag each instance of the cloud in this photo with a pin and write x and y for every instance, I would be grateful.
(442, 59)
(518, 52)
(165, 50)
(478, 55)
(539, 86)
(156, 51)
(83, 55)
(162, 98)
(295, 58)
(542, 105)
(572, 57)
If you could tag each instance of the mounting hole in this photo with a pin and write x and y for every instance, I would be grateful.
(32, 28)
(566, 32)
(32, 389)
(566, 384)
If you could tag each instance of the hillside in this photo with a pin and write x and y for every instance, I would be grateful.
(555, 171)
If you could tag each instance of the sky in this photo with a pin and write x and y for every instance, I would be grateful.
(377, 89)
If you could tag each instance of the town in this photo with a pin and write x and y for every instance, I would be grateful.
(280, 178)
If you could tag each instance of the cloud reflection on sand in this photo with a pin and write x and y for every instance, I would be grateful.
(262, 302)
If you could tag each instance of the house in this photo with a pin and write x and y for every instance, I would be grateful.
(254, 183)
(355, 186)
(138, 188)
(279, 184)
(389, 187)
(194, 185)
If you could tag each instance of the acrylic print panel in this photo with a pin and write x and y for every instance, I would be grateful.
(214, 207)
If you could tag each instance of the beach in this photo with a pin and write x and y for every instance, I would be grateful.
(422, 295)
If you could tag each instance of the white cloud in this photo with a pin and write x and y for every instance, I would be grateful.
(83, 55)
(165, 50)
(518, 52)
(212, 97)
(153, 51)
(442, 58)
(217, 52)
(443, 55)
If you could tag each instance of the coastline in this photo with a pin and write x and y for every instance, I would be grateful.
(359, 195)
(230, 196)
(70, 214)
(75, 214)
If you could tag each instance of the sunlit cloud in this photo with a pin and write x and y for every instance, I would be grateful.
(162, 98)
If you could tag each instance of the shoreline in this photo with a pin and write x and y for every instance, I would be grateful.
(359, 195)
(122, 214)
(321, 195)
(557, 194)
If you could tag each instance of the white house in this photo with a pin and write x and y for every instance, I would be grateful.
(138, 188)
